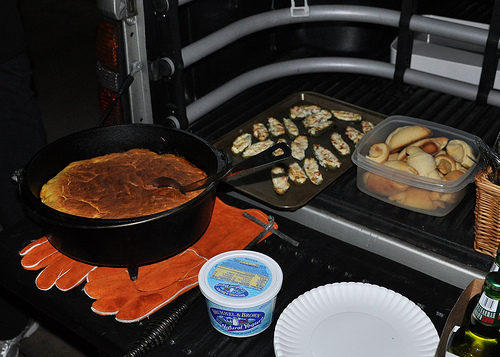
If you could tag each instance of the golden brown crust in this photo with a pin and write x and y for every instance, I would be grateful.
(382, 185)
(445, 163)
(116, 185)
(453, 175)
(461, 152)
(432, 145)
(417, 198)
(379, 152)
(422, 162)
(406, 135)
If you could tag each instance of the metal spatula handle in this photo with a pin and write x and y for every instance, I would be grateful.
(275, 153)
(267, 157)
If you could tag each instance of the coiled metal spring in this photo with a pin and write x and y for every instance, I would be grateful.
(157, 332)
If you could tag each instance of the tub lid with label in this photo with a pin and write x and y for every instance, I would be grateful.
(240, 279)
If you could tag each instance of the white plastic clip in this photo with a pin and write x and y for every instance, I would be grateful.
(299, 11)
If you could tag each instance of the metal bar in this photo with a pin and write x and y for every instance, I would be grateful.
(135, 43)
(260, 75)
(405, 40)
(239, 29)
(490, 59)
(365, 14)
(217, 40)
(269, 227)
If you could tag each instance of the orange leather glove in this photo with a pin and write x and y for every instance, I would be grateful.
(157, 284)
(59, 270)
(160, 283)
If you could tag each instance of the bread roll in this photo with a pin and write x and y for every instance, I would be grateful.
(379, 152)
(384, 186)
(422, 162)
(381, 185)
(406, 135)
(453, 175)
(417, 198)
(393, 157)
(461, 152)
(401, 165)
(431, 145)
(445, 163)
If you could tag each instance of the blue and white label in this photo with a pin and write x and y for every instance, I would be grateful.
(240, 278)
(241, 322)
(232, 321)
(240, 288)
(231, 290)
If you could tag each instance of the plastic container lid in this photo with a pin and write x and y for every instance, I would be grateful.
(240, 279)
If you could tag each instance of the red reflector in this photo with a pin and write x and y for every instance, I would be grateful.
(105, 98)
(107, 44)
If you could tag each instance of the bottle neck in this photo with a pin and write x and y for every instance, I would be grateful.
(496, 265)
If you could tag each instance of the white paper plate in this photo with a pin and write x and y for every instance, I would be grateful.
(354, 319)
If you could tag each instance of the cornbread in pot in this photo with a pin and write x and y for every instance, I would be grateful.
(115, 186)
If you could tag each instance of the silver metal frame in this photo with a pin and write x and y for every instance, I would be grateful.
(135, 43)
(131, 15)
(211, 43)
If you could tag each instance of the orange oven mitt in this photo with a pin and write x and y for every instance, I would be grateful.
(157, 284)
(59, 270)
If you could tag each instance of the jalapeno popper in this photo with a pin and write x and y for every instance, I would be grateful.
(326, 158)
(299, 147)
(301, 111)
(257, 148)
(296, 174)
(340, 144)
(275, 127)
(241, 143)
(279, 179)
(312, 170)
(260, 131)
(346, 116)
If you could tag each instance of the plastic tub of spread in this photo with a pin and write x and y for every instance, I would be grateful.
(432, 195)
(240, 288)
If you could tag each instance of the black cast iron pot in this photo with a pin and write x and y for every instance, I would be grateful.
(127, 242)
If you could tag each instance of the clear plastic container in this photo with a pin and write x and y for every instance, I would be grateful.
(456, 188)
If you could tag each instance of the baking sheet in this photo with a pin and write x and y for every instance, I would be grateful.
(258, 184)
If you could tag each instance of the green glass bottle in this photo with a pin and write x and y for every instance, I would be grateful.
(496, 263)
(481, 336)
(473, 301)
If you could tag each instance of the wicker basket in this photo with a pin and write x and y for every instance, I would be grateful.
(487, 215)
